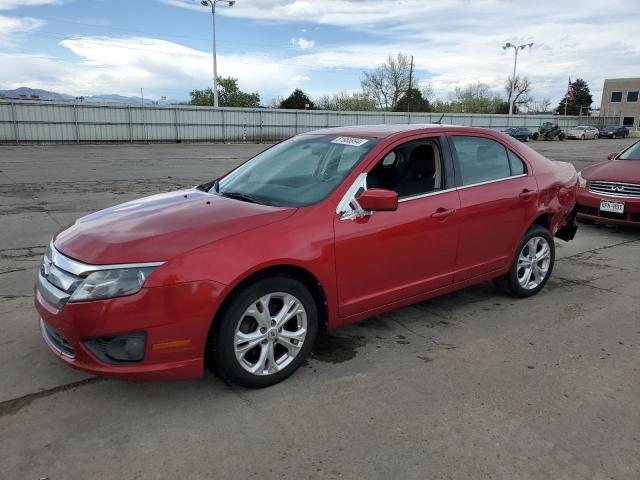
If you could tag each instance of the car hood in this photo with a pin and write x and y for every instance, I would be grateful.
(160, 227)
(627, 171)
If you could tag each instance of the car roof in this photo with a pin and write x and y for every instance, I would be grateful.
(387, 130)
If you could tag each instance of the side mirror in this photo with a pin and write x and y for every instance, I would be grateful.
(612, 156)
(378, 199)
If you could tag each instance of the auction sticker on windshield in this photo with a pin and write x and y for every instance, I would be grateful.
(354, 142)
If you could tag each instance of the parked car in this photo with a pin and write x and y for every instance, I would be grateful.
(614, 132)
(610, 191)
(583, 132)
(316, 232)
(521, 133)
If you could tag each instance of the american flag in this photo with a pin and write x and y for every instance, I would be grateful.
(570, 92)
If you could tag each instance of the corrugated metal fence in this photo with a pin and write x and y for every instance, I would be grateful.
(42, 122)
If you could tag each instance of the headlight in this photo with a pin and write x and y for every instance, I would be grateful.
(581, 181)
(111, 283)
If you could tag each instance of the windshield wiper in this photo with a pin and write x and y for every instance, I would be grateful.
(244, 197)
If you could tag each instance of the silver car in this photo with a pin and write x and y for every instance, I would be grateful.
(583, 132)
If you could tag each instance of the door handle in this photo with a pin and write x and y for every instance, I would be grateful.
(442, 213)
(527, 194)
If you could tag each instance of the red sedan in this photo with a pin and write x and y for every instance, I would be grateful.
(610, 191)
(316, 232)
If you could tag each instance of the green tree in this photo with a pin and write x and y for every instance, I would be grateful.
(475, 98)
(581, 101)
(229, 95)
(356, 102)
(412, 101)
(298, 100)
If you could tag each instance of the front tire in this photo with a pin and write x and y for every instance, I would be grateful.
(532, 265)
(265, 333)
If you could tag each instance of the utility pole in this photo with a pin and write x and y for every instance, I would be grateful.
(410, 81)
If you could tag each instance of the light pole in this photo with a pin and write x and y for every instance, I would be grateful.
(212, 4)
(516, 49)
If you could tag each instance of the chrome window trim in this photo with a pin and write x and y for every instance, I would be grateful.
(423, 195)
(493, 181)
(347, 213)
(81, 269)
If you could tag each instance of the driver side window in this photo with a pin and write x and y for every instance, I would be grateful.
(411, 169)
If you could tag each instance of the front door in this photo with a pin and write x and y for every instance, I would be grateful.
(389, 256)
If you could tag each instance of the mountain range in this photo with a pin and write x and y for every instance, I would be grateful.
(61, 97)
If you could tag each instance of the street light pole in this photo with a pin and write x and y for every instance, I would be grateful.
(516, 49)
(212, 4)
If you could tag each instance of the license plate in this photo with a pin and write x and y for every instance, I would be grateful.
(612, 207)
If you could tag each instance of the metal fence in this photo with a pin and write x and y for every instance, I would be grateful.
(66, 122)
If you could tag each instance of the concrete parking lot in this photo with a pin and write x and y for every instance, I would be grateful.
(472, 385)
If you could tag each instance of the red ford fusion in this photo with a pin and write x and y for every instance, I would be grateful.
(316, 232)
(610, 191)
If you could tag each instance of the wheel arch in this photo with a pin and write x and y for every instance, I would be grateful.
(296, 272)
(544, 220)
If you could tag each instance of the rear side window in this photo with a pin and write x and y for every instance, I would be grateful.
(517, 165)
(482, 159)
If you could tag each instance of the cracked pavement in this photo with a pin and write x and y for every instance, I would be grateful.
(471, 385)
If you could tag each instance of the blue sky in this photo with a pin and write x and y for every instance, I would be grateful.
(85, 47)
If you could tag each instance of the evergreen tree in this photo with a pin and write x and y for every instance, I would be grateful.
(581, 100)
(298, 100)
(416, 102)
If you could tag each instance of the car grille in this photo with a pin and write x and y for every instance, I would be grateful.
(615, 189)
(58, 284)
(57, 340)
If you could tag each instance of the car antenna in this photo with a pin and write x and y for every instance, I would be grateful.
(439, 122)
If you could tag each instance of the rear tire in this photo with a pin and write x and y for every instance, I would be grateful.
(532, 264)
(265, 333)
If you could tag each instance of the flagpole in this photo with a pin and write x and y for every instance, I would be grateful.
(566, 97)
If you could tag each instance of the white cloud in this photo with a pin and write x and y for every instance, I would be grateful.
(454, 42)
(124, 65)
(10, 4)
(458, 41)
(302, 43)
(11, 26)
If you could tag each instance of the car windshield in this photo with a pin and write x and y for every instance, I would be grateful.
(297, 172)
(631, 153)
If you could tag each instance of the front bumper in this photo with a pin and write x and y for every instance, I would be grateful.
(175, 318)
(589, 208)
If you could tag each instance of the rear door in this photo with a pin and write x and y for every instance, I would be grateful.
(497, 200)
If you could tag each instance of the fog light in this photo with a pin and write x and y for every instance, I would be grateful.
(119, 349)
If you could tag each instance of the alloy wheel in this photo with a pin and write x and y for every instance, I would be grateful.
(270, 333)
(533, 263)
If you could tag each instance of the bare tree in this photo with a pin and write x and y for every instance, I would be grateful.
(519, 90)
(389, 81)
